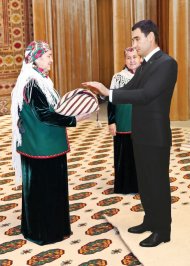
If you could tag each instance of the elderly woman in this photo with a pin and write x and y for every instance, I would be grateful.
(40, 145)
(119, 120)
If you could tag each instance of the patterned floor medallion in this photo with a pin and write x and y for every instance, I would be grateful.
(95, 246)
(45, 257)
(79, 196)
(2, 218)
(97, 262)
(11, 245)
(109, 201)
(85, 186)
(90, 177)
(108, 212)
(76, 206)
(12, 197)
(130, 260)
(6, 262)
(8, 206)
(187, 176)
(99, 229)
(13, 231)
(108, 191)
(74, 218)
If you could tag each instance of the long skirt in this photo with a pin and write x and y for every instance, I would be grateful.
(45, 205)
(125, 171)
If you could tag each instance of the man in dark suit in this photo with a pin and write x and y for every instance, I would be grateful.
(150, 91)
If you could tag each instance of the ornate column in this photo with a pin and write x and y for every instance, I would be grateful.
(179, 49)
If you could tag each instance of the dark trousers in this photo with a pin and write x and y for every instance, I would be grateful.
(152, 166)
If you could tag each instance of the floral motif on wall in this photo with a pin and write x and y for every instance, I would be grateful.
(15, 34)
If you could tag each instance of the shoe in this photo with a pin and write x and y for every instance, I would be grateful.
(154, 240)
(141, 228)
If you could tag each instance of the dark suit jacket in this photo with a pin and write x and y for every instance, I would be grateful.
(150, 91)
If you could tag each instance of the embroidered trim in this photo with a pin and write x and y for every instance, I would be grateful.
(43, 156)
(124, 133)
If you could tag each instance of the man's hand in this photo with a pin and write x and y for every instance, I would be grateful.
(96, 87)
(112, 129)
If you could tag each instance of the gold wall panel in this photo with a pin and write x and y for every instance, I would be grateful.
(179, 49)
(80, 32)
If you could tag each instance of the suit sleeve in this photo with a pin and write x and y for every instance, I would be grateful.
(160, 78)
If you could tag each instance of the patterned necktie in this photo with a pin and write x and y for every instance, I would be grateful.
(143, 64)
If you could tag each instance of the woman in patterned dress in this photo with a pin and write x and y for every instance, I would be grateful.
(39, 148)
(119, 121)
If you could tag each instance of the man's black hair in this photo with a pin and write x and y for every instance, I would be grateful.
(147, 26)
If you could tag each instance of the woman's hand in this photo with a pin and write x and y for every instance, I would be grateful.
(112, 129)
(96, 87)
(82, 117)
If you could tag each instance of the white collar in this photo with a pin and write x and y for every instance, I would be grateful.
(147, 57)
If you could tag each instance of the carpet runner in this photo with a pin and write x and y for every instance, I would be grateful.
(95, 241)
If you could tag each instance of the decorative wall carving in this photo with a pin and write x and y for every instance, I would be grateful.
(15, 34)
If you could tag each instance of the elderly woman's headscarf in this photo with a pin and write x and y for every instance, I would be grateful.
(28, 73)
(35, 50)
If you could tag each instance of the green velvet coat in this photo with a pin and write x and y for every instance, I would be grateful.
(45, 205)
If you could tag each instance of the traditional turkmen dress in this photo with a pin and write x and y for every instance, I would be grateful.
(45, 206)
(124, 164)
